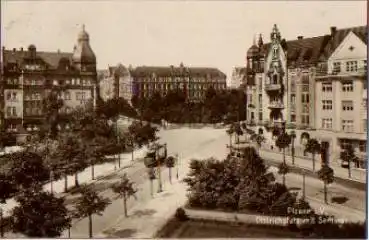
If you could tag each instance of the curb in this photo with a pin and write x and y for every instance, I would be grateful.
(299, 170)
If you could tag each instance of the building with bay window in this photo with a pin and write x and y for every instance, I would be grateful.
(315, 86)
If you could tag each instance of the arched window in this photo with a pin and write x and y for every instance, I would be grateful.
(275, 79)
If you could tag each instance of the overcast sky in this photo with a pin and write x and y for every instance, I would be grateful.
(197, 33)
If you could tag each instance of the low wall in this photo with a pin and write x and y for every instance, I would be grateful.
(236, 217)
(299, 170)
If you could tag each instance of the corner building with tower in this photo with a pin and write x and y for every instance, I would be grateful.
(28, 76)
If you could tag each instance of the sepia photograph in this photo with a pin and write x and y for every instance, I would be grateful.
(183, 119)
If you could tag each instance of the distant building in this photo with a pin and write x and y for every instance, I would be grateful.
(316, 86)
(29, 75)
(193, 81)
(238, 76)
(116, 82)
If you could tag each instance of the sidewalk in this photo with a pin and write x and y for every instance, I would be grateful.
(83, 177)
(302, 162)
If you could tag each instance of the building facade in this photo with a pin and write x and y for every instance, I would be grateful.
(29, 75)
(193, 81)
(116, 82)
(238, 77)
(315, 86)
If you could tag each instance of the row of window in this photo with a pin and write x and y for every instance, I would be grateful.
(351, 66)
(347, 125)
(347, 86)
(347, 105)
(40, 82)
(179, 79)
(345, 142)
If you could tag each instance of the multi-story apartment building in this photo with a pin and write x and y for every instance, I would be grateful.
(312, 85)
(29, 76)
(341, 90)
(238, 77)
(194, 81)
(116, 82)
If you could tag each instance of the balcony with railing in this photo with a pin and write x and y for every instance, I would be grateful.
(272, 87)
(324, 73)
(276, 105)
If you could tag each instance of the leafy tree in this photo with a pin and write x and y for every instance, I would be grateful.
(26, 169)
(326, 174)
(40, 214)
(293, 137)
(348, 155)
(230, 131)
(170, 161)
(70, 157)
(125, 190)
(7, 187)
(282, 142)
(313, 147)
(88, 204)
(283, 169)
(52, 105)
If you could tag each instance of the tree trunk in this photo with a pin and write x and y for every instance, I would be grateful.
(159, 179)
(1, 224)
(125, 205)
(76, 183)
(284, 156)
(119, 158)
(284, 179)
(90, 226)
(230, 143)
(151, 187)
(132, 152)
(92, 172)
(293, 152)
(303, 186)
(170, 175)
(325, 193)
(66, 183)
(313, 162)
(349, 169)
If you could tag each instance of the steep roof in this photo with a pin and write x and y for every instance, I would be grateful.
(176, 71)
(339, 35)
(52, 59)
(306, 50)
(314, 49)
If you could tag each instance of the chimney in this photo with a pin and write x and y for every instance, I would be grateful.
(21, 49)
(333, 30)
(300, 37)
(14, 49)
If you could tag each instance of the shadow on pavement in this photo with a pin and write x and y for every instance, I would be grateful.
(141, 213)
(339, 199)
(294, 189)
(125, 233)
